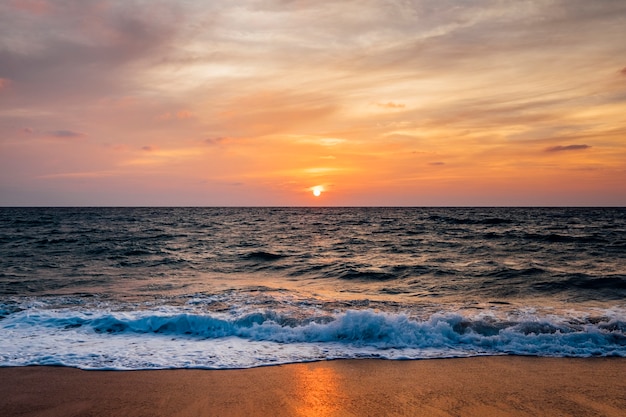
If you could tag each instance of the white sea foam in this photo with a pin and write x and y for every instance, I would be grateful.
(175, 337)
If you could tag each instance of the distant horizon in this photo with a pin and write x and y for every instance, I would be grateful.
(332, 207)
(299, 103)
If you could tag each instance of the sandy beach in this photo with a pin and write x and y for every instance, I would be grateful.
(484, 386)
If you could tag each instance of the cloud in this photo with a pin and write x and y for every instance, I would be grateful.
(179, 115)
(214, 141)
(561, 148)
(80, 49)
(37, 7)
(331, 141)
(184, 114)
(88, 174)
(272, 112)
(468, 80)
(65, 134)
(401, 137)
(391, 105)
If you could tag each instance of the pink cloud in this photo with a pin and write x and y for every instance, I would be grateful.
(120, 102)
(116, 147)
(391, 105)
(184, 114)
(37, 7)
(180, 115)
(4, 83)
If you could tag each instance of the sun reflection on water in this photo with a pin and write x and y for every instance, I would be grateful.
(318, 390)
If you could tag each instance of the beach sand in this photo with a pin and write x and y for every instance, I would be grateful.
(483, 386)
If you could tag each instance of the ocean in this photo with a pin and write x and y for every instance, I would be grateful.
(216, 288)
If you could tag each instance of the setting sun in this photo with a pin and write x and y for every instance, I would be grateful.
(317, 190)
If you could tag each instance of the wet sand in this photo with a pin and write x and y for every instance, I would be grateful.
(484, 386)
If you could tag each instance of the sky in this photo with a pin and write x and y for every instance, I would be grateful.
(269, 102)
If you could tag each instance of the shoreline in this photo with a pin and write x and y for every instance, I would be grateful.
(477, 386)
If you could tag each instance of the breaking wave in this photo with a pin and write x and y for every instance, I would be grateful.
(89, 339)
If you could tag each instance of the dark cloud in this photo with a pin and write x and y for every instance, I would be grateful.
(81, 49)
(623, 71)
(437, 163)
(561, 148)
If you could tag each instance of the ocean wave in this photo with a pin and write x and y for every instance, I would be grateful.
(506, 273)
(612, 286)
(355, 274)
(381, 330)
(489, 221)
(263, 256)
(563, 238)
(29, 335)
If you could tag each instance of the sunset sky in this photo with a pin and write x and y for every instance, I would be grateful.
(257, 102)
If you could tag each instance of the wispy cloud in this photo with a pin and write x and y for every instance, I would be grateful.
(78, 49)
(179, 115)
(80, 175)
(391, 105)
(214, 141)
(37, 7)
(561, 148)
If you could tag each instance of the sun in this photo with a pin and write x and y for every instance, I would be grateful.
(317, 190)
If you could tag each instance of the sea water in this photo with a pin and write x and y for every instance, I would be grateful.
(144, 288)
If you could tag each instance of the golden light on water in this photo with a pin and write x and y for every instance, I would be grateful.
(319, 391)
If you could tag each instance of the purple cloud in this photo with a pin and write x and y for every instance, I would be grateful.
(65, 134)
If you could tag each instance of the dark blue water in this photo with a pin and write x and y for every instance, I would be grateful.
(308, 283)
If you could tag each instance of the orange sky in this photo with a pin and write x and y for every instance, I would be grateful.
(256, 102)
